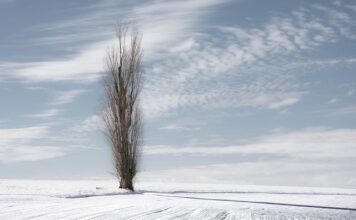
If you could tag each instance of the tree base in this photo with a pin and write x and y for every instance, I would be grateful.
(126, 184)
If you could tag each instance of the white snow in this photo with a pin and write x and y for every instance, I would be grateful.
(99, 199)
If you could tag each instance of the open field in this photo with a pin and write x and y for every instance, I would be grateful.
(98, 199)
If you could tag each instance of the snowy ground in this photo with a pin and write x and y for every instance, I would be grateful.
(42, 199)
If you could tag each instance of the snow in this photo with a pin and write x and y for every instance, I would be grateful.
(101, 199)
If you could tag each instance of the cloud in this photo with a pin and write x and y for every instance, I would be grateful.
(89, 124)
(36, 88)
(61, 98)
(187, 66)
(194, 60)
(18, 144)
(343, 21)
(29, 153)
(350, 110)
(236, 67)
(45, 114)
(8, 135)
(334, 100)
(350, 92)
(66, 97)
(211, 76)
(44, 141)
(84, 67)
(166, 23)
(79, 134)
(185, 124)
(179, 128)
(163, 24)
(307, 144)
(277, 173)
(307, 157)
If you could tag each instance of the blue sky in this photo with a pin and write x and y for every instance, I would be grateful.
(245, 92)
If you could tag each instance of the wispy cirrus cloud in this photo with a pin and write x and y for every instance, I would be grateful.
(163, 24)
(343, 21)
(236, 67)
(242, 67)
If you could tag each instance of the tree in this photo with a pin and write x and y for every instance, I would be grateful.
(122, 115)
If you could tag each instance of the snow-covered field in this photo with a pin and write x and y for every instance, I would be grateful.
(94, 199)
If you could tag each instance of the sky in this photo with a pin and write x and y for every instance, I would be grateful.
(236, 91)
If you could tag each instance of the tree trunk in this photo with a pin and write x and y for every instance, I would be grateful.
(126, 184)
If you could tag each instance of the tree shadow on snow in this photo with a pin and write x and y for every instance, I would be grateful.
(244, 192)
(102, 194)
(261, 202)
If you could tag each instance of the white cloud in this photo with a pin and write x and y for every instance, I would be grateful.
(179, 128)
(350, 110)
(89, 124)
(184, 46)
(350, 92)
(242, 67)
(80, 134)
(8, 135)
(36, 88)
(184, 125)
(45, 114)
(341, 20)
(167, 23)
(306, 144)
(277, 173)
(17, 144)
(307, 157)
(163, 24)
(333, 100)
(61, 98)
(65, 97)
(84, 66)
(236, 67)
(43, 141)
(29, 153)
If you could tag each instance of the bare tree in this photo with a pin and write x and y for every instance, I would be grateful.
(122, 115)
